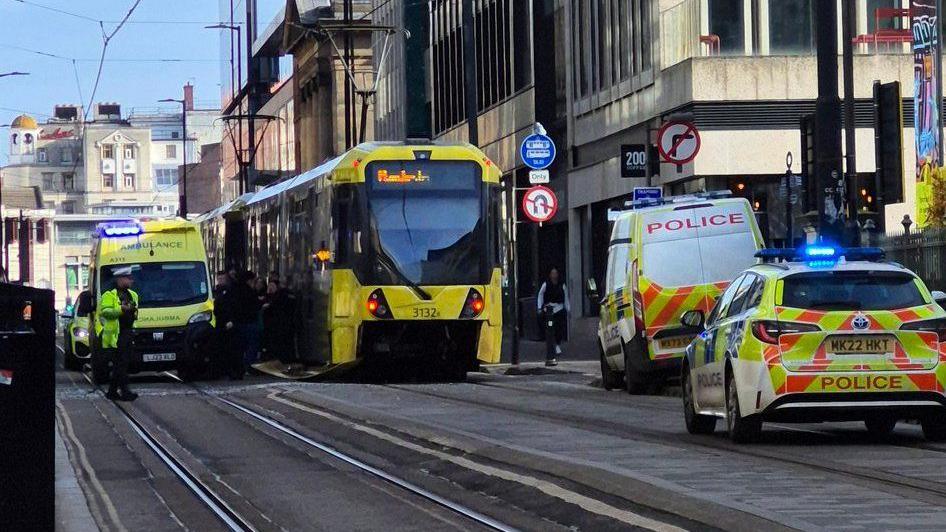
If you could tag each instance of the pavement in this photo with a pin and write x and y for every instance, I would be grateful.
(72, 510)
(581, 344)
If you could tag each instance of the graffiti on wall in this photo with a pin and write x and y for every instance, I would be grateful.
(927, 94)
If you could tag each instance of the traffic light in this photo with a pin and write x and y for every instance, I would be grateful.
(808, 160)
(888, 142)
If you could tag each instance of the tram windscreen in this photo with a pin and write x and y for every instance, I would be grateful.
(426, 222)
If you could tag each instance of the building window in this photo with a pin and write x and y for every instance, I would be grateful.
(165, 177)
(47, 180)
(67, 155)
(129, 182)
(108, 181)
(170, 151)
(41, 155)
(68, 207)
(790, 27)
(108, 151)
(726, 20)
(129, 152)
(68, 181)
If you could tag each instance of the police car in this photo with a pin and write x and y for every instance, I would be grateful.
(818, 334)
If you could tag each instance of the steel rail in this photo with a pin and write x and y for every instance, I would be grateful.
(227, 515)
(443, 502)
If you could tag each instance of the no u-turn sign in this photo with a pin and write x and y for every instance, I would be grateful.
(539, 204)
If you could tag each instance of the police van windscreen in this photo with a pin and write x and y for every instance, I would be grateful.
(851, 290)
(163, 284)
(694, 246)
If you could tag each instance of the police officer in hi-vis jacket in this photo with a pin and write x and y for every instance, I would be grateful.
(118, 310)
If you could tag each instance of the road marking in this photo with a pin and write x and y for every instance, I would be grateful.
(587, 503)
(87, 468)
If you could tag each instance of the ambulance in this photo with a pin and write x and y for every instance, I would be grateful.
(175, 315)
(667, 257)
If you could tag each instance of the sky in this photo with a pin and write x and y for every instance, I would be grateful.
(133, 83)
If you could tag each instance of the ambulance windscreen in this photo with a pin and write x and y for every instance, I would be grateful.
(697, 246)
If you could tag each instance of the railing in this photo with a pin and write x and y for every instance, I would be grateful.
(924, 252)
(711, 42)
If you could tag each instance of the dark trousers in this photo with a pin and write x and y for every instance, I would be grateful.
(119, 359)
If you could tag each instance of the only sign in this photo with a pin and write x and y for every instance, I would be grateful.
(539, 204)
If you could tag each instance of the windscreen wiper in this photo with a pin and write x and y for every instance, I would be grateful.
(392, 267)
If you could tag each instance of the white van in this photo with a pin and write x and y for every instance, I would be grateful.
(665, 258)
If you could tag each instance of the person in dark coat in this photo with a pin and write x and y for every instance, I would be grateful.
(229, 358)
(246, 317)
(553, 298)
(277, 322)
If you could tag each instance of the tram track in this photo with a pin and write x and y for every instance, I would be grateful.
(405, 485)
(919, 489)
(227, 516)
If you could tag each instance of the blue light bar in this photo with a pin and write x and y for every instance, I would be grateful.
(115, 229)
(821, 252)
(776, 253)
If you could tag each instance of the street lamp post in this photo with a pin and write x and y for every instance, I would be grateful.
(182, 208)
(5, 74)
(239, 82)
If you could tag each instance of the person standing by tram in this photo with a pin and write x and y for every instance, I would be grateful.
(553, 307)
(119, 310)
(229, 359)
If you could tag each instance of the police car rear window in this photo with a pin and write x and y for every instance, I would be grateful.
(847, 290)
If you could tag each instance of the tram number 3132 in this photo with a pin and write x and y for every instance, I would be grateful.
(426, 312)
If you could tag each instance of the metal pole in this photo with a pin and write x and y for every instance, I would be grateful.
(346, 57)
(469, 76)
(183, 187)
(828, 126)
(244, 185)
(853, 187)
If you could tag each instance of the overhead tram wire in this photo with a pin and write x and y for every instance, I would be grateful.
(95, 20)
(116, 60)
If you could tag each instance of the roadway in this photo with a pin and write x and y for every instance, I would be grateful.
(544, 450)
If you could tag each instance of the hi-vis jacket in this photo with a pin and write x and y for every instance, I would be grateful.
(110, 310)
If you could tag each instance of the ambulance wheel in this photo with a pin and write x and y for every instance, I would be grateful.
(696, 423)
(633, 382)
(741, 429)
(880, 427)
(610, 379)
(934, 428)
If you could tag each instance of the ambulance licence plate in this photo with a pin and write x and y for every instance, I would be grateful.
(860, 345)
(159, 357)
(675, 343)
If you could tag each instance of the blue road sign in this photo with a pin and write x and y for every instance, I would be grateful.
(537, 151)
(648, 193)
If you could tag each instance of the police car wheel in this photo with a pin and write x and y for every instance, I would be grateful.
(610, 379)
(934, 429)
(741, 429)
(879, 427)
(696, 423)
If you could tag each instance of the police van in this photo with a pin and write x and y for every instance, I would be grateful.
(175, 303)
(666, 257)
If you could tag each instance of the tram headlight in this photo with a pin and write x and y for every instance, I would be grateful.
(377, 305)
(474, 305)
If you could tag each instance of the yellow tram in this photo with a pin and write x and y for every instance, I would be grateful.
(392, 250)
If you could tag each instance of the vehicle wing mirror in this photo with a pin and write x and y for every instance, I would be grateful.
(591, 290)
(940, 298)
(693, 318)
